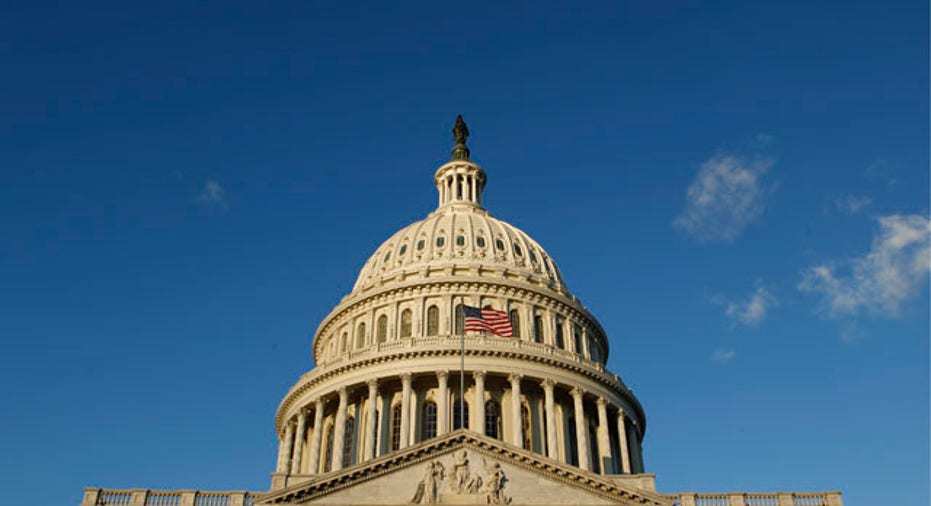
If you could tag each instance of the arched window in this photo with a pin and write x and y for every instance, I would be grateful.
(396, 427)
(560, 342)
(493, 419)
(348, 441)
(433, 321)
(525, 425)
(577, 338)
(515, 322)
(537, 328)
(360, 336)
(328, 454)
(346, 342)
(381, 330)
(460, 413)
(429, 421)
(457, 318)
(406, 323)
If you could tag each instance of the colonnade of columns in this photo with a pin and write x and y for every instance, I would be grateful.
(392, 423)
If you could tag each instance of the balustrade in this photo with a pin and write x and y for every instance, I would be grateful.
(758, 499)
(142, 497)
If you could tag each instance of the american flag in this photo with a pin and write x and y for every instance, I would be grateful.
(487, 320)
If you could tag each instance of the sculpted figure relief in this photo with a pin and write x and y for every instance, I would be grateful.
(461, 481)
(428, 488)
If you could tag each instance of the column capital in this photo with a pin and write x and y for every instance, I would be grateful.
(547, 384)
(478, 375)
(515, 377)
(601, 401)
(406, 377)
(577, 393)
(343, 394)
(620, 413)
(372, 384)
(442, 375)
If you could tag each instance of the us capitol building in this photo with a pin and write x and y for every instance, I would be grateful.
(406, 407)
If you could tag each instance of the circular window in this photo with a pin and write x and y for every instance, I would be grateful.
(420, 244)
(403, 249)
(460, 240)
(517, 250)
(440, 241)
(480, 241)
(499, 244)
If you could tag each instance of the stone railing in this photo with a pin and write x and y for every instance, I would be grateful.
(472, 342)
(142, 497)
(831, 498)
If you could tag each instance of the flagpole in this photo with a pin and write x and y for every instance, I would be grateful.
(462, 366)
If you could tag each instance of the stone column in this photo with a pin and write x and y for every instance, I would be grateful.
(478, 403)
(299, 442)
(370, 429)
(442, 415)
(581, 431)
(288, 446)
(405, 410)
(604, 439)
(318, 433)
(552, 450)
(339, 432)
(279, 466)
(622, 441)
(517, 426)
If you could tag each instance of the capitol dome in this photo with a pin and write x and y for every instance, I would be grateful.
(397, 363)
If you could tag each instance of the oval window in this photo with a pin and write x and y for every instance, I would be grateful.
(499, 244)
(440, 241)
(517, 250)
(460, 240)
(533, 258)
(387, 256)
(420, 244)
(480, 241)
(403, 249)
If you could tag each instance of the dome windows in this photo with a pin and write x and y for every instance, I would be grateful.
(440, 241)
(460, 240)
(403, 250)
(420, 244)
(387, 257)
(499, 244)
(533, 257)
(480, 241)
(517, 250)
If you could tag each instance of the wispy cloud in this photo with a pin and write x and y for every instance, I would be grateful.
(852, 204)
(213, 195)
(726, 195)
(895, 269)
(753, 310)
(722, 355)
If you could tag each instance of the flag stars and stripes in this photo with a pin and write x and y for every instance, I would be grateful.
(487, 319)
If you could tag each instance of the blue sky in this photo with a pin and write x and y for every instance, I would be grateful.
(738, 191)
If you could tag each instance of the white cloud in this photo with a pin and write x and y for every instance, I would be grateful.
(894, 270)
(722, 355)
(213, 195)
(851, 204)
(753, 310)
(726, 196)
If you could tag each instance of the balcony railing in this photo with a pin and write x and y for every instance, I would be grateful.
(831, 498)
(453, 343)
(143, 497)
